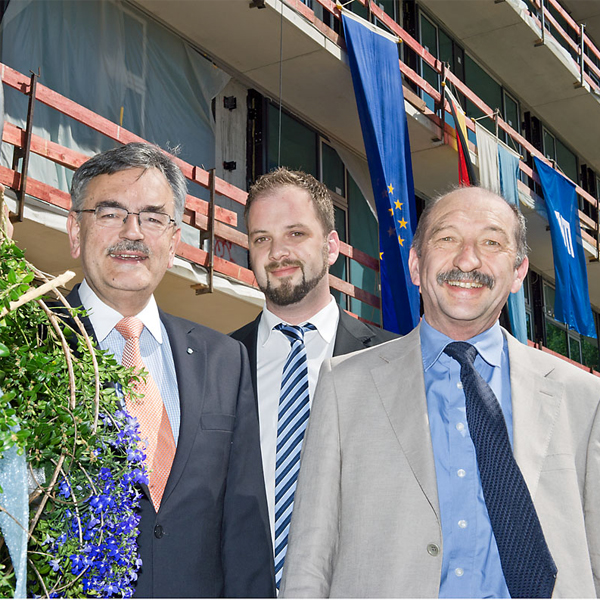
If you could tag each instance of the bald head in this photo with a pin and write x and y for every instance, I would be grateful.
(469, 253)
(478, 194)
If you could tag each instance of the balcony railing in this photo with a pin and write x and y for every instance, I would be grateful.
(205, 216)
(583, 48)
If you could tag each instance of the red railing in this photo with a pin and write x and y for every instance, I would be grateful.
(590, 230)
(197, 211)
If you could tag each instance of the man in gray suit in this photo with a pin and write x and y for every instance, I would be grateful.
(292, 242)
(394, 497)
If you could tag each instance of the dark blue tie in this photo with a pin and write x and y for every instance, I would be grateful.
(291, 424)
(528, 567)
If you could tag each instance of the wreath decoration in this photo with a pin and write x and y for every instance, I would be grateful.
(62, 420)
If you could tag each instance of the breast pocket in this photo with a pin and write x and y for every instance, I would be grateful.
(214, 422)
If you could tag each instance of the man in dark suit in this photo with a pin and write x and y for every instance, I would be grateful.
(292, 242)
(204, 525)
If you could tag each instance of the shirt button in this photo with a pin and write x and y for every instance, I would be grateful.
(462, 524)
(158, 531)
(433, 549)
(460, 426)
(459, 385)
(459, 572)
(461, 472)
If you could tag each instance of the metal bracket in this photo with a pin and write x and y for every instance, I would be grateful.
(580, 83)
(210, 236)
(25, 151)
(542, 40)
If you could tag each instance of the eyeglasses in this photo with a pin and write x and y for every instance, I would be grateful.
(114, 217)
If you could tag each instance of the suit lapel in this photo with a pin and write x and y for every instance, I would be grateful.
(250, 340)
(190, 358)
(351, 335)
(75, 302)
(401, 387)
(536, 402)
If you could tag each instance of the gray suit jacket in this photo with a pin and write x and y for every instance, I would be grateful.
(366, 516)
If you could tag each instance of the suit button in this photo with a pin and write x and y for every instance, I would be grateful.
(433, 549)
(158, 531)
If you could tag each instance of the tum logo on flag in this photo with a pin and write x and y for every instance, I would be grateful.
(565, 229)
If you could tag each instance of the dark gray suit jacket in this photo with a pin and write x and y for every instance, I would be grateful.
(351, 335)
(211, 536)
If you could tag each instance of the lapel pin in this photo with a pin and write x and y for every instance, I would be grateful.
(190, 351)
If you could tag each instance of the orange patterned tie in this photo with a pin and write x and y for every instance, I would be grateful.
(150, 412)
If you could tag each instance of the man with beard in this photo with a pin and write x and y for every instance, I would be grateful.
(410, 486)
(292, 242)
(204, 527)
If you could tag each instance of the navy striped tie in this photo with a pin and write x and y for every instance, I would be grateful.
(291, 424)
(527, 564)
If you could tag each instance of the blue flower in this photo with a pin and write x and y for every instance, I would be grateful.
(54, 564)
(65, 488)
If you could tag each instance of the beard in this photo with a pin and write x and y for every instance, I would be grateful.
(288, 293)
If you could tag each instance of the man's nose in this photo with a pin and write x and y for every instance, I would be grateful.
(131, 228)
(467, 258)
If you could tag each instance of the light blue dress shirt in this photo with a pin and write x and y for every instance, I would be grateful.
(471, 565)
(154, 347)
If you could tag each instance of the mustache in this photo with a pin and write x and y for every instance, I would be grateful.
(274, 265)
(129, 246)
(474, 276)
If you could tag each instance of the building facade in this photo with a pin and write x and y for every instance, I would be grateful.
(241, 86)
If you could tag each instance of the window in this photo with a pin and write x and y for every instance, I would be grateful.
(512, 117)
(334, 177)
(301, 147)
(566, 341)
(528, 306)
(549, 145)
(429, 42)
(298, 146)
(486, 88)
(391, 7)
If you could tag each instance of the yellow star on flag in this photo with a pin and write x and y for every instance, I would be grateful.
(403, 223)
(391, 188)
(400, 241)
(398, 204)
(391, 211)
(391, 231)
(381, 256)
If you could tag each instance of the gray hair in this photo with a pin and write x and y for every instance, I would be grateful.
(520, 228)
(130, 156)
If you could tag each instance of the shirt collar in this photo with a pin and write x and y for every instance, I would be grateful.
(489, 344)
(326, 322)
(104, 318)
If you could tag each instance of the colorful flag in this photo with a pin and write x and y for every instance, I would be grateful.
(498, 172)
(373, 57)
(572, 299)
(466, 172)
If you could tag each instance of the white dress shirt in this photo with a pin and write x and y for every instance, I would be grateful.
(154, 346)
(272, 350)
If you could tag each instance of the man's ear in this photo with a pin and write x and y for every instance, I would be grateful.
(520, 273)
(173, 247)
(74, 231)
(413, 266)
(333, 246)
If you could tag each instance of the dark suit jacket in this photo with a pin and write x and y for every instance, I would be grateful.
(351, 335)
(211, 536)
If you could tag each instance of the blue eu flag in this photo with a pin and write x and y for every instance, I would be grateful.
(380, 101)
(572, 302)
